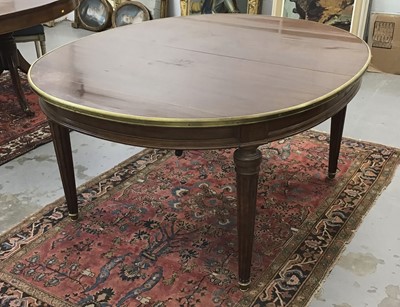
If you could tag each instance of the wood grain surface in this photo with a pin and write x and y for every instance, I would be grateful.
(202, 70)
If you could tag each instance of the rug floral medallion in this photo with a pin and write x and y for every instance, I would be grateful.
(160, 230)
(19, 133)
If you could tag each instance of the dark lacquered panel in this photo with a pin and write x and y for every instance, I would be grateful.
(201, 69)
(19, 14)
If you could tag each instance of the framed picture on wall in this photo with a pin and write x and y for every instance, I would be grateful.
(350, 15)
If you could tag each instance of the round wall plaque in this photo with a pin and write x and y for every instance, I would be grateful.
(129, 12)
(95, 15)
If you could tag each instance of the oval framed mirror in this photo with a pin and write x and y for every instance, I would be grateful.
(129, 12)
(95, 15)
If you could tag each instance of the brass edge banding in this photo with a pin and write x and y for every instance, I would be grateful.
(194, 123)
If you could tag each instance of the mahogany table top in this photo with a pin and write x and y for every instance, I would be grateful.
(204, 70)
(19, 14)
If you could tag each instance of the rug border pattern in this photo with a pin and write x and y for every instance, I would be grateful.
(25, 143)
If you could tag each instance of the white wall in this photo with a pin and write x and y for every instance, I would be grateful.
(266, 7)
(174, 9)
(385, 6)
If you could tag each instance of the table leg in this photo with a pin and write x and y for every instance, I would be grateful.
(22, 63)
(337, 124)
(62, 147)
(247, 164)
(10, 59)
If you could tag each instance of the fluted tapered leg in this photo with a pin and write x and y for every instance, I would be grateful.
(247, 164)
(337, 124)
(62, 147)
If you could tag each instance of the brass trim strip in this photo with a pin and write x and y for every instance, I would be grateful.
(192, 122)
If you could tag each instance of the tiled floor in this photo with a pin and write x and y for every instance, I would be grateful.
(367, 274)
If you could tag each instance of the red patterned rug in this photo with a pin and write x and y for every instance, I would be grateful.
(19, 133)
(159, 230)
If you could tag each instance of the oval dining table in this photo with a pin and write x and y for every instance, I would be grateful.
(202, 82)
(17, 15)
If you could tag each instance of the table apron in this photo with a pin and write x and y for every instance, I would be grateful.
(232, 136)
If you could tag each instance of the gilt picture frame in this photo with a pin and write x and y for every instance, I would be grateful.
(192, 7)
(347, 14)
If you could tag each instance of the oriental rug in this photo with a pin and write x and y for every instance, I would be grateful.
(18, 132)
(160, 230)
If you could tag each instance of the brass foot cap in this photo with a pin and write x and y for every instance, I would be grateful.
(331, 175)
(73, 216)
(244, 286)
